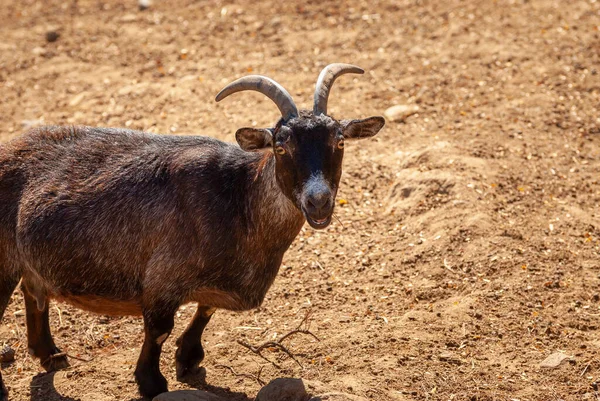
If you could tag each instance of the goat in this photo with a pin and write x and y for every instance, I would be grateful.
(122, 222)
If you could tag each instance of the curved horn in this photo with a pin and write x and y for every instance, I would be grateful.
(267, 87)
(325, 81)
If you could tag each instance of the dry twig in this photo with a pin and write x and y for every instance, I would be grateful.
(278, 344)
(257, 351)
(585, 369)
(61, 354)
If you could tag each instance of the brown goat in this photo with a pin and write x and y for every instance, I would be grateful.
(128, 223)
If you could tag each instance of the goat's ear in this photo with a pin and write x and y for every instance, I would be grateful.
(366, 128)
(254, 138)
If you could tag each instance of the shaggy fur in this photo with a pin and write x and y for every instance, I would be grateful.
(128, 223)
(122, 222)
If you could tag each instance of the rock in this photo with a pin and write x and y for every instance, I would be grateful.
(400, 112)
(52, 36)
(144, 4)
(7, 354)
(287, 389)
(187, 395)
(39, 51)
(283, 389)
(554, 360)
(77, 99)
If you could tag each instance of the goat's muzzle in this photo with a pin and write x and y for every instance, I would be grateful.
(317, 203)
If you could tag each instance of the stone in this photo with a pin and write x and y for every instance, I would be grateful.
(283, 389)
(39, 51)
(554, 360)
(144, 4)
(187, 395)
(77, 99)
(288, 389)
(52, 36)
(7, 354)
(400, 112)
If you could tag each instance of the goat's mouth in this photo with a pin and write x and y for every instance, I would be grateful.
(317, 224)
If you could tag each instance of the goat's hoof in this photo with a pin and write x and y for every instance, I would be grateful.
(151, 385)
(56, 361)
(187, 361)
(3, 393)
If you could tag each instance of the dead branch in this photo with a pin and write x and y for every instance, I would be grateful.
(278, 344)
(299, 331)
(268, 344)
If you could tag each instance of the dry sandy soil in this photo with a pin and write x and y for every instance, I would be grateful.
(467, 246)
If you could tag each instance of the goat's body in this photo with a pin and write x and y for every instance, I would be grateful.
(109, 219)
(123, 222)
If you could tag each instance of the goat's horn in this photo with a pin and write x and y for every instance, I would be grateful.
(267, 87)
(326, 80)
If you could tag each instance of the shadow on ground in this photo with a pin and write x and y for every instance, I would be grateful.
(197, 380)
(42, 388)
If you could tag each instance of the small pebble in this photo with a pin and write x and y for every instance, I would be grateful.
(400, 112)
(554, 360)
(144, 4)
(7, 354)
(52, 36)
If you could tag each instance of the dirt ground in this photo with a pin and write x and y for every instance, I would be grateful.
(467, 246)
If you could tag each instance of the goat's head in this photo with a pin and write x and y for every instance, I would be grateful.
(308, 145)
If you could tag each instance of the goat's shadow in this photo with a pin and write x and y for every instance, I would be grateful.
(42, 389)
(197, 380)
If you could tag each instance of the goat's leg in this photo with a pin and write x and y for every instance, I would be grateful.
(8, 283)
(189, 345)
(39, 338)
(3, 390)
(158, 324)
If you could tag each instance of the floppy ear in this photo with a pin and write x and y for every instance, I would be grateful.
(366, 128)
(254, 138)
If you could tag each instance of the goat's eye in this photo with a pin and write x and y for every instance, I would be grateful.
(280, 150)
(341, 144)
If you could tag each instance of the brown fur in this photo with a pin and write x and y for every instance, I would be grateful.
(127, 223)
(122, 222)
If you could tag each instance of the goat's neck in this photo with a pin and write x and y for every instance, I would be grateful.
(278, 221)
